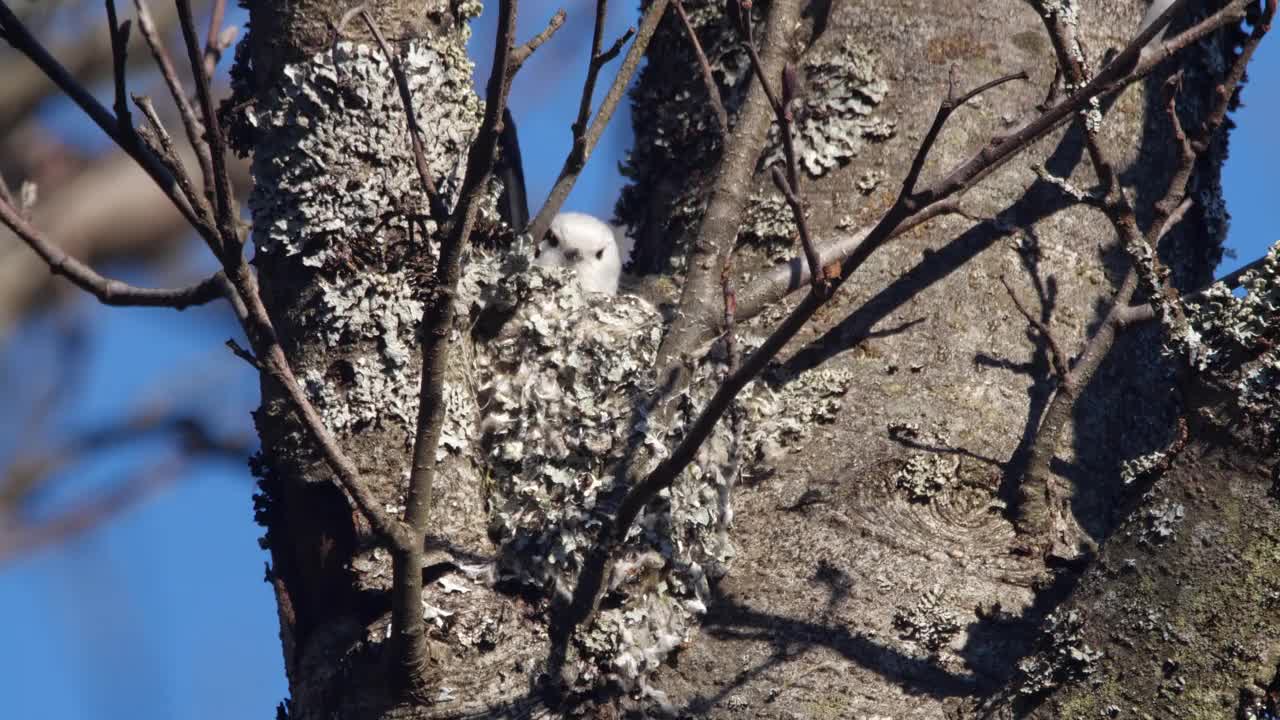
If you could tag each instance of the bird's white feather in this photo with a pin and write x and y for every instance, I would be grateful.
(586, 244)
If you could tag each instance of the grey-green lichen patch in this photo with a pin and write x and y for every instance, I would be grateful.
(836, 115)
(372, 305)
(929, 623)
(789, 412)
(770, 223)
(1234, 339)
(1161, 522)
(926, 475)
(1143, 466)
(869, 181)
(564, 388)
(1064, 655)
(333, 161)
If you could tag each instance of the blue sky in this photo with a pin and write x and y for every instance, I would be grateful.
(162, 613)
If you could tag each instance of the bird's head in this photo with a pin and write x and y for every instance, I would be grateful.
(584, 243)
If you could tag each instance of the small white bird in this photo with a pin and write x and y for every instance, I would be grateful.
(589, 246)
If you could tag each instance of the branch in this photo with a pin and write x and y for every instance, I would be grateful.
(413, 652)
(436, 204)
(789, 185)
(994, 154)
(521, 54)
(168, 154)
(108, 291)
(225, 214)
(119, 58)
(585, 138)
(786, 278)
(22, 41)
(214, 43)
(816, 277)
(1136, 314)
(190, 123)
(708, 79)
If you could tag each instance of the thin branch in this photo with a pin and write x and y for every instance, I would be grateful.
(708, 79)
(119, 59)
(594, 63)
(190, 123)
(107, 290)
(948, 106)
(585, 140)
(520, 54)
(436, 203)
(994, 154)
(22, 41)
(225, 215)
(169, 154)
(793, 275)
(816, 276)
(413, 651)
(213, 46)
(1136, 314)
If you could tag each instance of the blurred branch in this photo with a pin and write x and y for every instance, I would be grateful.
(586, 137)
(106, 290)
(108, 212)
(17, 540)
(29, 476)
(87, 58)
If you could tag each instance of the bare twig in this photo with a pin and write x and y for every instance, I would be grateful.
(225, 214)
(1136, 314)
(949, 105)
(169, 154)
(413, 652)
(793, 275)
(106, 290)
(436, 203)
(816, 277)
(190, 123)
(520, 54)
(213, 46)
(586, 137)
(119, 58)
(22, 41)
(708, 79)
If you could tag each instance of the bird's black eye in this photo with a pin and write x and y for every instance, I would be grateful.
(552, 240)
(600, 253)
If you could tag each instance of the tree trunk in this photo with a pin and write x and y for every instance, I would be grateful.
(877, 573)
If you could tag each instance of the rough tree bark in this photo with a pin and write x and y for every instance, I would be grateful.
(907, 537)
(876, 554)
